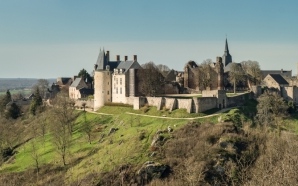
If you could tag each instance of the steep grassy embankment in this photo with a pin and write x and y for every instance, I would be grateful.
(128, 145)
(196, 152)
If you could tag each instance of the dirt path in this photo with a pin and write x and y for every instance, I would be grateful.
(164, 117)
(199, 117)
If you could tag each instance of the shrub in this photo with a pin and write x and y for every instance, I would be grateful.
(145, 108)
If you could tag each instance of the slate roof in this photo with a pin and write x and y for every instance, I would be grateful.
(282, 72)
(228, 67)
(125, 65)
(226, 58)
(76, 82)
(64, 80)
(128, 65)
(86, 91)
(101, 60)
(113, 65)
(279, 79)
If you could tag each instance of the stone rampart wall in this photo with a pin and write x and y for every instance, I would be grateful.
(156, 102)
(195, 105)
(205, 103)
(171, 103)
(238, 100)
(185, 104)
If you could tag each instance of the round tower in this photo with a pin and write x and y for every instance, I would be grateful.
(102, 88)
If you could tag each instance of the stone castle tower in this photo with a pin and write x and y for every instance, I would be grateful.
(103, 79)
(226, 58)
(220, 73)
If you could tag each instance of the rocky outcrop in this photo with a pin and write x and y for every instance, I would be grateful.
(151, 170)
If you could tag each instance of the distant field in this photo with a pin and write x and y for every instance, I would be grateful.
(19, 83)
(24, 92)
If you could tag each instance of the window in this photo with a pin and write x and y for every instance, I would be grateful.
(116, 90)
(108, 83)
(108, 92)
(117, 81)
(120, 81)
(120, 90)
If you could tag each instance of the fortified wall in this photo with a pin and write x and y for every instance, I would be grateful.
(209, 100)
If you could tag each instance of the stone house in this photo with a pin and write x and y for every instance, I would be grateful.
(283, 73)
(275, 81)
(289, 93)
(75, 91)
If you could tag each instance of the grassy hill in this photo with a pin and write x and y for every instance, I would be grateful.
(197, 152)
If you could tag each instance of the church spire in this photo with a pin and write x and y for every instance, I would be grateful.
(226, 58)
(226, 47)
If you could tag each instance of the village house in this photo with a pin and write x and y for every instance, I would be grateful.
(79, 89)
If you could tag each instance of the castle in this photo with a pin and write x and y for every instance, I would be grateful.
(114, 81)
(118, 82)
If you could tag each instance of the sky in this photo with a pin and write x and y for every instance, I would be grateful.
(58, 38)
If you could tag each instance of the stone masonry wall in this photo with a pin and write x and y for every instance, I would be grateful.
(238, 100)
(155, 101)
(206, 103)
(196, 105)
(185, 104)
(171, 103)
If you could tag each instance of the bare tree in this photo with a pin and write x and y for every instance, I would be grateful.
(252, 71)
(84, 105)
(42, 120)
(163, 68)
(271, 109)
(35, 154)
(62, 117)
(87, 127)
(151, 81)
(205, 73)
(42, 85)
(236, 75)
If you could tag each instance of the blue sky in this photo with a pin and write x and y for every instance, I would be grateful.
(53, 38)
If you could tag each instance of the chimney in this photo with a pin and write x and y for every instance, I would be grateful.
(118, 58)
(108, 55)
(135, 58)
(282, 71)
(125, 58)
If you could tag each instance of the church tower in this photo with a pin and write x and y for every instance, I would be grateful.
(226, 58)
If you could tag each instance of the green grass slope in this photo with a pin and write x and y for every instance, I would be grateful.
(128, 145)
